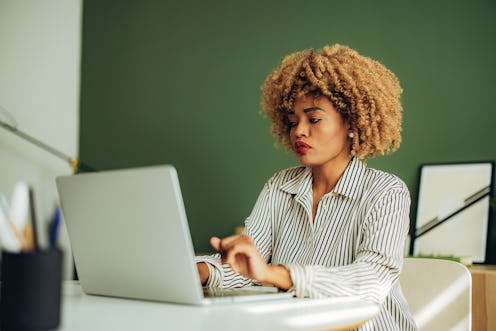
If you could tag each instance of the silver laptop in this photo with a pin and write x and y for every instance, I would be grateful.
(130, 237)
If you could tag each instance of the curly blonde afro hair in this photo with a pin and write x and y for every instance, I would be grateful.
(363, 90)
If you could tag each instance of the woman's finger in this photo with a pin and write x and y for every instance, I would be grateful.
(215, 243)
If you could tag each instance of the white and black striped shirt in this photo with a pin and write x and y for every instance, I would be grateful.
(353, 247)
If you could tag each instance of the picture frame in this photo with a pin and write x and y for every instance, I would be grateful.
(453, 211)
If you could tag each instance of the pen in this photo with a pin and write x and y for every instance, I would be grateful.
(54, 228)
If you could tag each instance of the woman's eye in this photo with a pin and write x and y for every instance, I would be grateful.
(292, 124)
(314, 120)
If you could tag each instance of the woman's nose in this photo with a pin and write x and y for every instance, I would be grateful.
(301, 129)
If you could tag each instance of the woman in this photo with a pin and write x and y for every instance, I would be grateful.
(333, 226)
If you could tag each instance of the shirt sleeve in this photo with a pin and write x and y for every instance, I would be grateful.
(258, 227)
(378, 260)
(221, 275)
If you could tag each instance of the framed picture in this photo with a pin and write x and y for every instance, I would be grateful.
(453, 210)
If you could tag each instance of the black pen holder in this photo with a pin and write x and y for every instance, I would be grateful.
(31, 290)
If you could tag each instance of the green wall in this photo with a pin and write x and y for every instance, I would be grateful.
(180, 83)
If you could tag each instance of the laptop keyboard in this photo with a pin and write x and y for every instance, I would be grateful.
(215, 292)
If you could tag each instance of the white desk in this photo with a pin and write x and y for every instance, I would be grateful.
(86, 312)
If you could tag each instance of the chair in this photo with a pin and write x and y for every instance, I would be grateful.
(439, 293)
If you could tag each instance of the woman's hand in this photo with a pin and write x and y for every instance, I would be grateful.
(242, 255)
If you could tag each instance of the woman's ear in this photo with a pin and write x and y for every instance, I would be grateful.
(348, 127)
(347, 123)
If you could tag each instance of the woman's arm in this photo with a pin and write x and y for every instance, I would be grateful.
(378, 259)
(203, 272)
(243, 256)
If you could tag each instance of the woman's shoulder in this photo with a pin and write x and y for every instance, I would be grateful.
(289, 174)
(381, 180)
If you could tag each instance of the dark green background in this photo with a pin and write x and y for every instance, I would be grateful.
(180, 83)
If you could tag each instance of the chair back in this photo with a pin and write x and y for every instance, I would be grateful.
(439, 293)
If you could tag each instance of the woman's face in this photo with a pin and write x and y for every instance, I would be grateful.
(318, 132)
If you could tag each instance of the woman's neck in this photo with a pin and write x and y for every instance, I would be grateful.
(325, 177)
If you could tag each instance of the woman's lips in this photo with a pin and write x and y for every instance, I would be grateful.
(301, 147)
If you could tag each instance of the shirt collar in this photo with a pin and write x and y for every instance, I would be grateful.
(348, 185)
(351, 180)
(299, 184)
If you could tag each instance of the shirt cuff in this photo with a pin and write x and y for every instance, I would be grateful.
(302, 278)
(216, 274)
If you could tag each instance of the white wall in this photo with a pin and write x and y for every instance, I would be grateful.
(40, 47)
